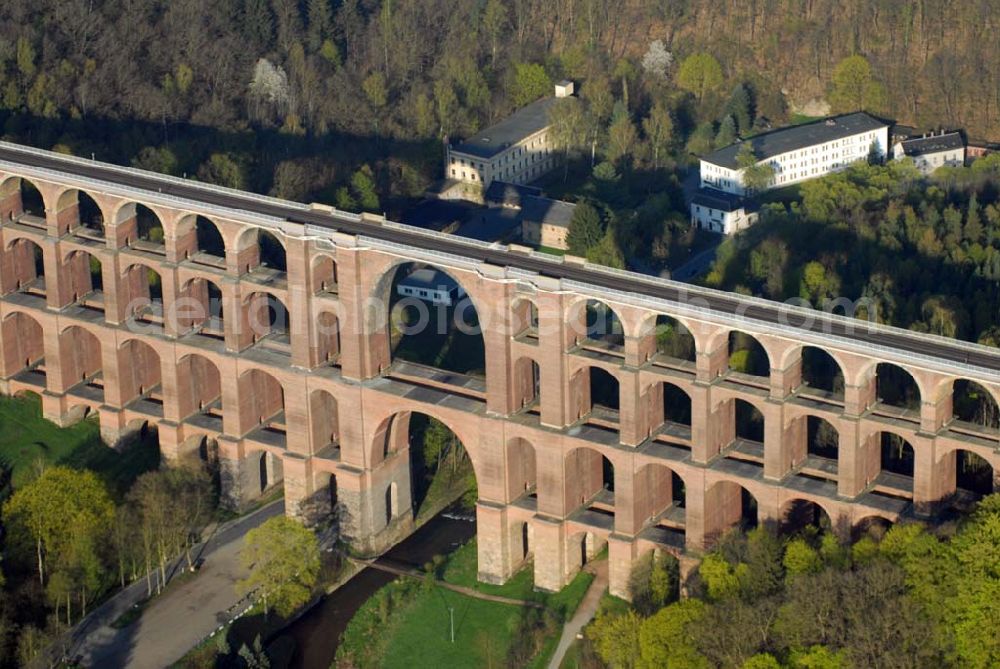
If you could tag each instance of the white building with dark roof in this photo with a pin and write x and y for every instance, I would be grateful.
(795, 154)
(516, 150)
(932, 151)
(719, 211)
(801, 152)
(431, 285)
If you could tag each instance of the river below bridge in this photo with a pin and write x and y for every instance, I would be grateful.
(317, 633)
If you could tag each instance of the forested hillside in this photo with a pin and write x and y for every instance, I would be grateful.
(115, 77)
(924, 254)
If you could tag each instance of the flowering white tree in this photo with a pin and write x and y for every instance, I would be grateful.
(269, 90)
(657, 59)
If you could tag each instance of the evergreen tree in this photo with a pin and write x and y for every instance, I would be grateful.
(585, 229)
(727, 132)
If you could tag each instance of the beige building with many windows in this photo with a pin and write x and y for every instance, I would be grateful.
(516, 150)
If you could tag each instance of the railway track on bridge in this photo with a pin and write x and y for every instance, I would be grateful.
(752, 309)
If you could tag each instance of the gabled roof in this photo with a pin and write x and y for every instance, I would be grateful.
(523, 123)
(711, 198)
(776, 142)
(922, 146)
(545, 211)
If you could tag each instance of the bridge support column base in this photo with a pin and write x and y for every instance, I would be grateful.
(497, 559)
(230, 473)
(115, 432)
(173, 446)
(550, 554)
(298, 486)
(621, 557)
(54, 410)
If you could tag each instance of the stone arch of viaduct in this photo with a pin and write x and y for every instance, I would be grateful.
(288, 369)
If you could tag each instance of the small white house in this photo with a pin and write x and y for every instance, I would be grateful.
(431, 285)
(718, 211)
(932, 151)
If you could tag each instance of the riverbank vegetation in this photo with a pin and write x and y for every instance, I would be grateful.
(82, 520)
(907, 597)
(924, 254)
(411, 618)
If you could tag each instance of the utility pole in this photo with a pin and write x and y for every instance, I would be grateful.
(451, 616)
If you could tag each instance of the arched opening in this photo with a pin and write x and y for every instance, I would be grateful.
(21, 201)
(897, 464)
(431, 321)
(325, 421)
(269, 472)
(81, 363)
(590, 486)
(23, 346)
(527, 384)
(821, 375)
(973, 405)
(200, 308)
(267, 320)
(139, 375)
(199, 391)
(674, 342)
(262, 404)
(749, 424)
(581, 548)
(520, 542)
(661, 502)
(676, 405)
(142, 290)
(426, 460)
(83, 213)
(209, 245)
(895, 387)
(521, 469)
(602, 328)
(327, 338)
(800, 515)
(728, 505)
(26, 266)
(747, 355)
(141, 228)
(391, 502)
(872, 527)
(974, 476)
(822, 440)
(266, 256)
(83, 274)
(324, 274)
(604, 393)
(525, 319)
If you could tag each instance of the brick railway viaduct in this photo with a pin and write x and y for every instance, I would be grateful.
(96, 317)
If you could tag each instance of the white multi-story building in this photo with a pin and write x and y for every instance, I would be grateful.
(795, 154)
(932, 151)
(516, 150)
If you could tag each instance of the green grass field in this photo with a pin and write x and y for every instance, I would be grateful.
(419, 633)
(27, 440)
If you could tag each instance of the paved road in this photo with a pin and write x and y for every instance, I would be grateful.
(584, 613)
(183, 615)
(770, 313)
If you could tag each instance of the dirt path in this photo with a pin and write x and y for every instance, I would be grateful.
(584, 613)
(470, 592)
